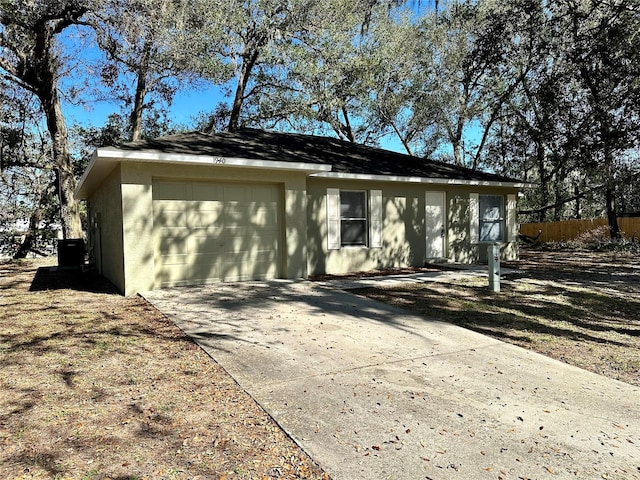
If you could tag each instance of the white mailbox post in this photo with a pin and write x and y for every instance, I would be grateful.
(493, 254)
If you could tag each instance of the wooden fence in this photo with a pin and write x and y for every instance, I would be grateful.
(571, 229)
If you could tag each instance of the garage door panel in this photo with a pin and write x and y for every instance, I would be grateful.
(237, 193)
(250, 230)
(173, 242)
(207, 192)
(250, 241)
(263, 193)
(237, 213)
(210, 214)
(254, 261)
(175, 218)
(247, 271)
(216, 232)
(171, 191)
(251, 211)
(174, 271)
(207, 241)
(169, 280)
(176, 205)
(206, 267)
(264, 216)
(240, 270)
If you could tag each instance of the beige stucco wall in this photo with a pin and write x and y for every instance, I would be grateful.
(403, 237)
(403, 234)
(125, 203)
(105, 218)
(137, 207)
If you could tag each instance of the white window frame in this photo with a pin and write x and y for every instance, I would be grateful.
(373, 219)
(365, 218)
(500, 220)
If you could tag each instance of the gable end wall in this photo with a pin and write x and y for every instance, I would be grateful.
(105, 229)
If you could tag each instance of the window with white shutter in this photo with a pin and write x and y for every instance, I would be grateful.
(375, 204)
(512, 218)
(474, 218)
(333, 218)
(354, 218)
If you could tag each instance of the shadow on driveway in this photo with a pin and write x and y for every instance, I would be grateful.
(373, 392)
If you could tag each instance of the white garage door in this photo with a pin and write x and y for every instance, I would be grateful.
(210, 232)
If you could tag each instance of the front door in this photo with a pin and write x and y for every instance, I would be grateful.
(434, 216)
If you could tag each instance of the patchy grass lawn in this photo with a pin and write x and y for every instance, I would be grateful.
(582, 308)
(94, 386)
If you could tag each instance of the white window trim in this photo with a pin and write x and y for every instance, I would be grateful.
(512, 218)
(502, 219)
(359, 219)
(333, 219)
(474, 218)
(374, 219)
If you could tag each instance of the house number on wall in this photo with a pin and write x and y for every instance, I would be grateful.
(219, 160)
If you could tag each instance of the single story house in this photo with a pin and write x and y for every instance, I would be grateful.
(194, 208)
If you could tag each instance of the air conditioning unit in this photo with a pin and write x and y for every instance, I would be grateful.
(71, 252)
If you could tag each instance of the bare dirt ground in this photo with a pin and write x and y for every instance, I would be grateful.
(579, 307)
(97, 386)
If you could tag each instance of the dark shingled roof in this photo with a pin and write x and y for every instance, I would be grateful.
(345, 157)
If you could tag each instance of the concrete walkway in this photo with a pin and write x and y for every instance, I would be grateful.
(372, 392)
(452, 272)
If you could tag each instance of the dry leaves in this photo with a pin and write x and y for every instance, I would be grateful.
(97, 386)
(582, 308)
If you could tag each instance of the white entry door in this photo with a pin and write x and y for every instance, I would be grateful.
(434, 216)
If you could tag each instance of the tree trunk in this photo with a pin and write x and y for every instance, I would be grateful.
(612, 219)
(542, 174)
(141, 92)
(69, 206)
(138, 106)
(248, 62)
(558, 191)
(32, 231)
(456, 143)
(347, 130)
(610, 192)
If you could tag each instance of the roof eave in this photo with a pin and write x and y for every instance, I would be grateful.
(93, 175)
(104, 160)
(428, 180)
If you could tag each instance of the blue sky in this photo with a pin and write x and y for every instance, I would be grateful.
(186, 105)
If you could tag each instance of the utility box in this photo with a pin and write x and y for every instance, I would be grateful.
(493, 254)
(71, 252)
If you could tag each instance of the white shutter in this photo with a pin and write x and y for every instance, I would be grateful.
(375, 219)
(474, 218)
(512, 218)
(333, 218)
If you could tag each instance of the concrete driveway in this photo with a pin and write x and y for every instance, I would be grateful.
(373, 392)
